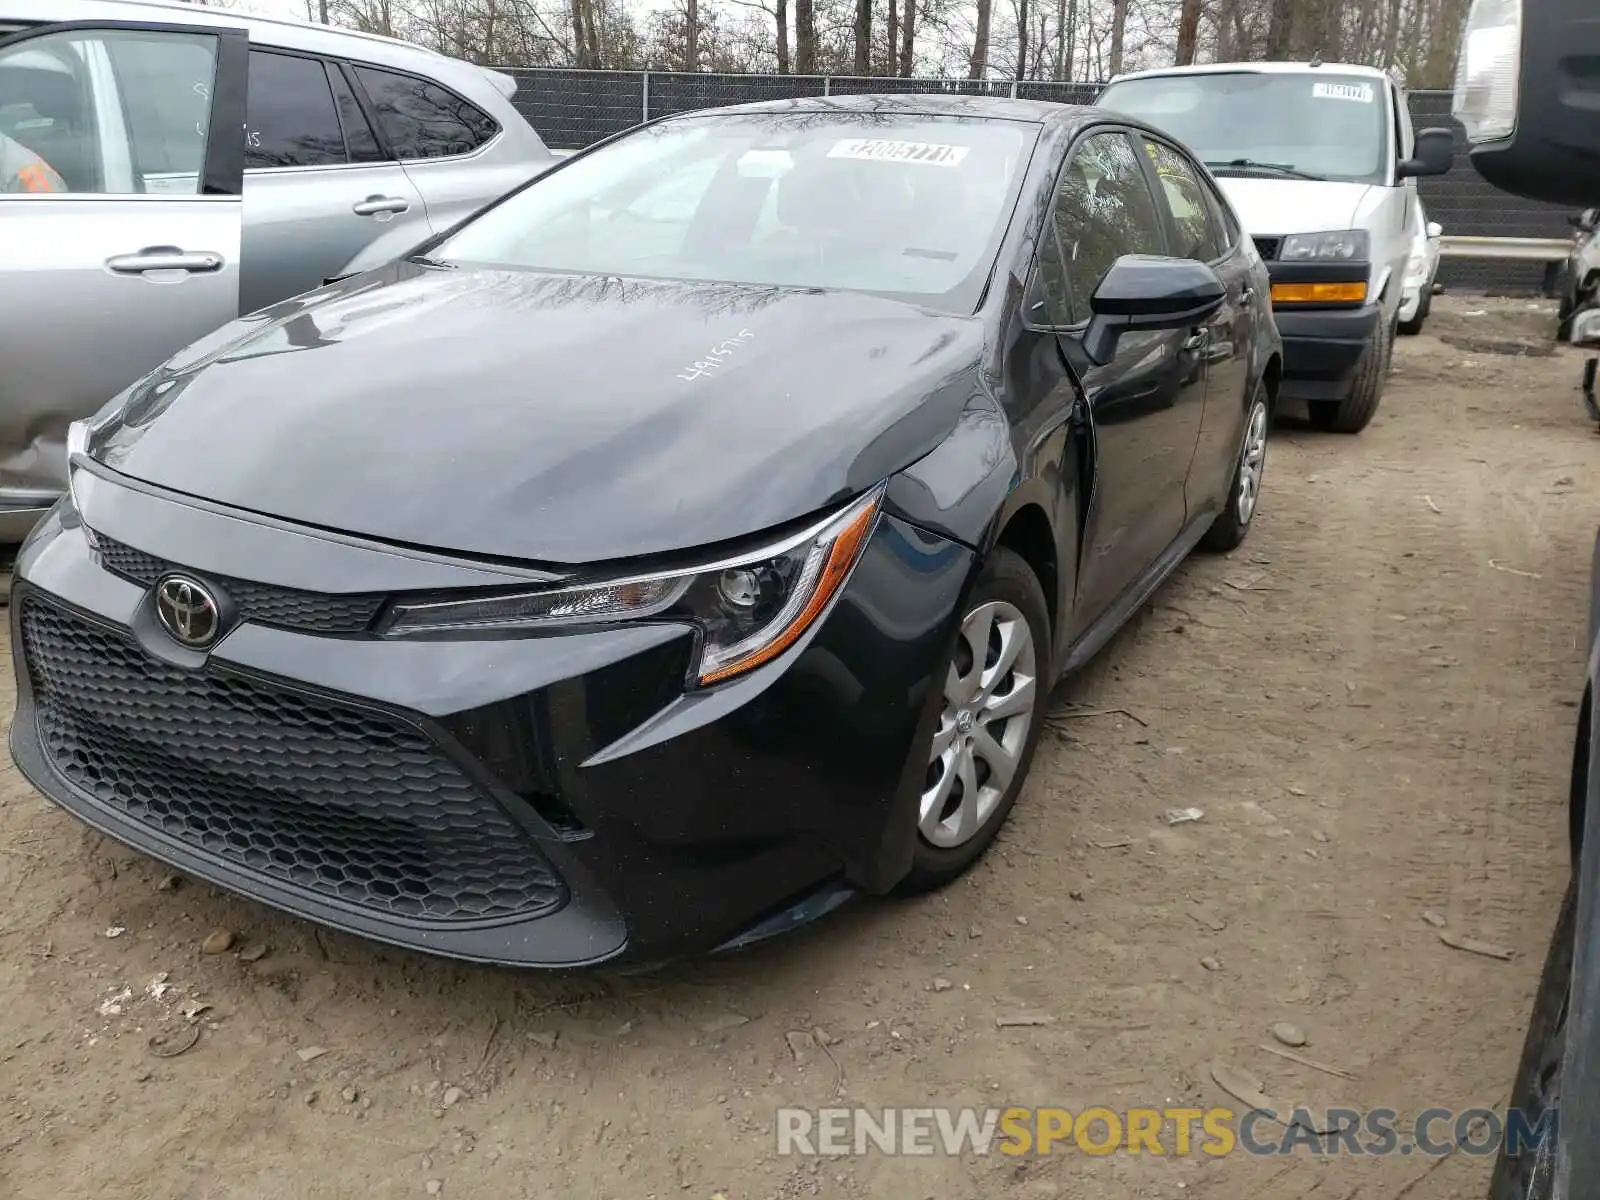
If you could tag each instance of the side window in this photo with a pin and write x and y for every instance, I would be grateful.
(1198, 237)
(290, 120)
(422, 119)
(106, 111)
(1221, 216)
(1103, 210)
(358, 136)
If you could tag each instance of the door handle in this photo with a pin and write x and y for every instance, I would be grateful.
(373, 206)
(1247, 295)
(1197, 339)
(164, 258)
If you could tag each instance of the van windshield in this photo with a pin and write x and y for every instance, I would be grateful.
(1312, 124)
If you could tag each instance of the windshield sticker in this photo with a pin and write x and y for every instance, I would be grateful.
(932, 154)
(714, 357)
(1359, 92)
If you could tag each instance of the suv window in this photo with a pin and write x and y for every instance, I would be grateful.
(290, 120)
(51, 140)
(1104, 209)
(422, 119)
(1199, 236)
(358, 136)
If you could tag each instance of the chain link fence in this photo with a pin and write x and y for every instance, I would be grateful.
(572, 109)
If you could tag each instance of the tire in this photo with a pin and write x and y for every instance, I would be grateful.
(1355, 411)
(1537, 1087)
(1243, 497)
(1009, 591)
(1424, 306)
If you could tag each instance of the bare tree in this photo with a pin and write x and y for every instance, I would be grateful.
(863, 31)
(805, 37)
(908, 44)
(1119, 31)
(979, 64)
(1022, 40)
(1188, 32)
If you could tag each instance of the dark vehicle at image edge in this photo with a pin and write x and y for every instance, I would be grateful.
(684, 544)
(1526, 95)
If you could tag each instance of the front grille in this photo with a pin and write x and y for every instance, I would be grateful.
(262, 603)
(1267, 247)
(330, 799)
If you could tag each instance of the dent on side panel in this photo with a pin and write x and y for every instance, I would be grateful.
(957, 489)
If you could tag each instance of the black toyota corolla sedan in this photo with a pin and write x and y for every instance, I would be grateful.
(685, 543)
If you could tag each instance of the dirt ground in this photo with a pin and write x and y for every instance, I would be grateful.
(1372, 702)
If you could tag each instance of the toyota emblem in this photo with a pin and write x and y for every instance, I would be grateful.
(188, 611)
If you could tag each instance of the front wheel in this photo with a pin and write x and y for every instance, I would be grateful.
(1355, 411)
(1244, 492)
(995, 691)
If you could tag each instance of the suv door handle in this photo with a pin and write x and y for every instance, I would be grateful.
(1197, 339)
(373, 206)
(164, 258)
(1247, 295)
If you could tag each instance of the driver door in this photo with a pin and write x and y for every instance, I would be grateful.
(139, 255)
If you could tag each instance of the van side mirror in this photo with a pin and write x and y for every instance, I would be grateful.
(1434, 154)
(1146, 292)
(1435, 230)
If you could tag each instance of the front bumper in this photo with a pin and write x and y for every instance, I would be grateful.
(1322, 348)
(1322, 345)
(526, 800)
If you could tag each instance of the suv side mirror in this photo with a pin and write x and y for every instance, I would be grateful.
(1144, 292)
(1434, 154)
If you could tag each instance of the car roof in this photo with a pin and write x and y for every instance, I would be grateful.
(929, 104)
(1262, 68)
(173, 11)
(283, 32)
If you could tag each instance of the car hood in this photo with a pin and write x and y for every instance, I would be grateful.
(1284, 206)
(548, 418)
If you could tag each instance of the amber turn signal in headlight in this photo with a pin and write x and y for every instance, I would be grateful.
(1319, 293)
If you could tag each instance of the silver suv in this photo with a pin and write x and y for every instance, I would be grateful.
(171, 224)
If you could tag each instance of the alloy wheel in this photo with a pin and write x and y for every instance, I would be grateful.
(983, 729)
(1252, 462)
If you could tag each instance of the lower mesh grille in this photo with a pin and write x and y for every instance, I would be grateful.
(334, 800)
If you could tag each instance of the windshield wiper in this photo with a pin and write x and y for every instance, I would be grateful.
(1250, 164)
(422, 260)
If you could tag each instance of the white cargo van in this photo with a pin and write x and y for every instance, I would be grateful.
(1321, 163)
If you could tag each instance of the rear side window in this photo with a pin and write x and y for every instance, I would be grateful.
(421, 119)
(290, 120)
(358, 136)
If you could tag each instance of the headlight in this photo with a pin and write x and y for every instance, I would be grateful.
(749, 609)
(1343, 245)
(1488, 74)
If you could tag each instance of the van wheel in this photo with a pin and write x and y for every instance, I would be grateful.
(1355, 411)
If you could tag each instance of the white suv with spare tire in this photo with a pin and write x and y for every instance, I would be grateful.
(1320, 162)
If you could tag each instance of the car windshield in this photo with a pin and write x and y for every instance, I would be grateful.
(906, 206)
(1325, 126)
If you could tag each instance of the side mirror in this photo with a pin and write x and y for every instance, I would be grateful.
(1145, 292)
(1435, 230)
(1434, 154)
